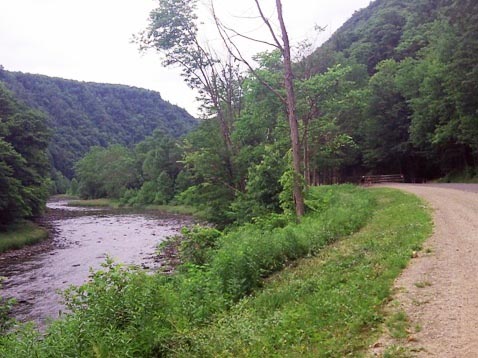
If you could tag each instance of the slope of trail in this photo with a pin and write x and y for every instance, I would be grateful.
(439, 289)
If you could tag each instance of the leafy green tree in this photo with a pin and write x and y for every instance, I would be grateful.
(206, 161)
(263, 187)
(73, 189)
(82, 115)
(387, 145)
(106, 172)
(173, 31)
(24, 165)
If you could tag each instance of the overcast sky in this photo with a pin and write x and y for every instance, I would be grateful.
(90, 40)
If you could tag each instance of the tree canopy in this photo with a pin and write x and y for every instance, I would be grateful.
(24, 166)
(83, 115)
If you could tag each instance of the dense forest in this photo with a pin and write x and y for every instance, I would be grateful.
(83, 115)
(420, 81)
(393, 91)
(24, 165)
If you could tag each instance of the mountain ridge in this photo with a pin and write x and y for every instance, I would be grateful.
(86, 114)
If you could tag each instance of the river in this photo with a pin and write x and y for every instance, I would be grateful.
(80, 239)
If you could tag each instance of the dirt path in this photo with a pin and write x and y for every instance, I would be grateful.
(439, 289)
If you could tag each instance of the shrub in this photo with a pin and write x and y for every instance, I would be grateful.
(197, 244)
(126, 312)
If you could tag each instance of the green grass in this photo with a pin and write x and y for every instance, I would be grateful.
(311, 289)
(330, 305)
(21, 234)
(398, 324)
(104, 202)
(174, 209)
(94, 203)
(469, 175)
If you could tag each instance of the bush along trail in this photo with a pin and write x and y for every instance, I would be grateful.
(272, 288)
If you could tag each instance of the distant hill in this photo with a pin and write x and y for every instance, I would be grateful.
(415, 68)
(83, 114)
(383, 30)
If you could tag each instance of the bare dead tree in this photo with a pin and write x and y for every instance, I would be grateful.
(283, 45)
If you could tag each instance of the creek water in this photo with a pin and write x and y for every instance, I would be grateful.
(81, 239)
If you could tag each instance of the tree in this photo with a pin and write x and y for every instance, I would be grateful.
(289, 100)
(24, 166)
(106, 172)
(173, 32)
(291, 109)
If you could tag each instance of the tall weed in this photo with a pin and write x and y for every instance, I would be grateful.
(126, 312)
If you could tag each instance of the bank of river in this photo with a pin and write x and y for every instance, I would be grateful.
(81, 238)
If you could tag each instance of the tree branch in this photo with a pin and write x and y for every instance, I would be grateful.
(249, 38)
(237, 55)
(268, 24)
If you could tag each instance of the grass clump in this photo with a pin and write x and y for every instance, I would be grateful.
(467, 175)
(398, 325)
(265, 289)
(104, 202)
(422, 284)
(111, 203)
(21, 234)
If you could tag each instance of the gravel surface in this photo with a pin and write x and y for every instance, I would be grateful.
(439, 289)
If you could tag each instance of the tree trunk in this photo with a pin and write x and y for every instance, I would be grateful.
(291, 109)
(306, 150)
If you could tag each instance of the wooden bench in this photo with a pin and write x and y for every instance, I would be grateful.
(377, 179)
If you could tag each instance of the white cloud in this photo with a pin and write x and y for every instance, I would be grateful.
(90, 40)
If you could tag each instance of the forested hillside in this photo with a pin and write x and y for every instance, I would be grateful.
(417, 85)
(24, 166)
(393, 91)
(83, 115)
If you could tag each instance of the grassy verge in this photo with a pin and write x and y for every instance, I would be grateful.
(94, 203)
(325, 306)
(269, 289)
(173, 209)
(21, 234)
(468, 176)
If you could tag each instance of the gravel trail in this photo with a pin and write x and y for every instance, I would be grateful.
(439, 289)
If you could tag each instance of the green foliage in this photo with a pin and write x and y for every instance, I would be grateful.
(469, 175)
(417, 114)
(249, 254)
(74, 187)
(285, 196)
(5, 307)
(386, 97)
(19, 234)
(106, 172)
(387, 128)
(263, 188)
(59, 183)
(197, 244)
(83, 115)
(324, 306)
(126, 312)
(208, 168)
(23, 161)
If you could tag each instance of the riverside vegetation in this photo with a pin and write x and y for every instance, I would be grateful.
(20, 234)
(393, 91)
(390, 92)
(314, 288)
